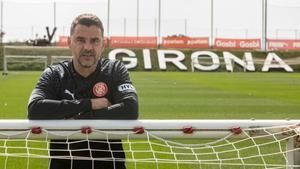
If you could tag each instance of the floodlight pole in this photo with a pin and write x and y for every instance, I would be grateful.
(137, 17)
(212, 23)
(108, 23)
(54, 18)
(264, 24)
(1, 42)
(54, 14)
(1, 18)
(159, 22)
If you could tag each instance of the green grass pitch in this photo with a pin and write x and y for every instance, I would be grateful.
(179, 95)
(185, 95)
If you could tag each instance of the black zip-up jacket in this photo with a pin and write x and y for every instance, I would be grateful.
(62, 93)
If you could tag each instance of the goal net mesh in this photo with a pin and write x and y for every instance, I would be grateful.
(260, 147)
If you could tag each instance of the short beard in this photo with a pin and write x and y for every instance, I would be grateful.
(90, 54)
(87, 66)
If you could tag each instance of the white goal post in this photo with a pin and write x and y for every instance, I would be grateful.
(237, 143)
(46, 60)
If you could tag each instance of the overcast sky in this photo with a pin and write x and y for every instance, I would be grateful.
(22, 19)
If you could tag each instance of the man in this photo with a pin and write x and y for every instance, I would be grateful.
(88, 87)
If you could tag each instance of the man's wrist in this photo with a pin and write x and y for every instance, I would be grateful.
(86, 105)
(99, 103)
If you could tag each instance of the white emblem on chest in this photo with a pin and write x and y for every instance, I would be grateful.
(69, 93)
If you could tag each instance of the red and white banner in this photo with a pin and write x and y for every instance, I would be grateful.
(133, 42)
(185, 42)
(63, 41)
(221, 43)
(283, 44)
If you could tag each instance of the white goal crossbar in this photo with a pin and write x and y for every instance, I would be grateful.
(161, 128)
(233, 141)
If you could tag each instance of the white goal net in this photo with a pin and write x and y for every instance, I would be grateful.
(158, 144)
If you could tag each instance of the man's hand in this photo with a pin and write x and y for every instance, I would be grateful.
(100, 103)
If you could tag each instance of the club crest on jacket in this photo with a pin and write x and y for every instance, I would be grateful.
(100, 89)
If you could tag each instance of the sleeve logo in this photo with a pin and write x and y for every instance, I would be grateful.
(126, 87)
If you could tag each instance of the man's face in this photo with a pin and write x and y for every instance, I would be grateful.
(86, 45)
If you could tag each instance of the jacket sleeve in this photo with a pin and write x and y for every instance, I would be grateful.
(125, 100)
(45, 104)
